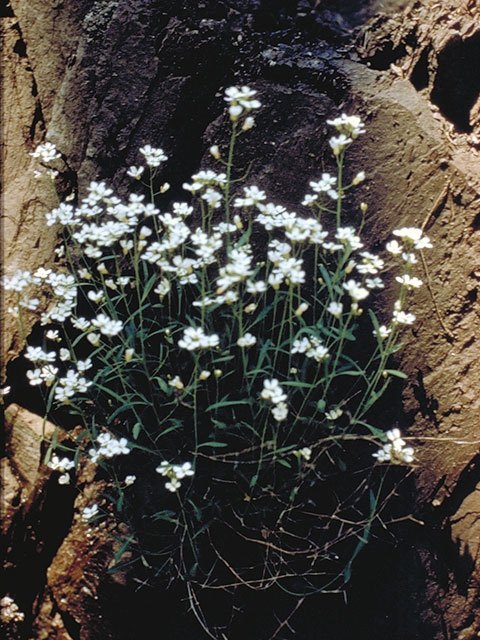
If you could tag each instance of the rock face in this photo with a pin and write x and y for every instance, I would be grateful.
(104, 77)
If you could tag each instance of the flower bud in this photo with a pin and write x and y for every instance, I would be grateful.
(360, 177)
(248, 124)
(301, 309)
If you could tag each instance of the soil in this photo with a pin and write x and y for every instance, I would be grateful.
(105, 77)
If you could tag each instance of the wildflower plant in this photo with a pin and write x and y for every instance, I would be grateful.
(219, 385)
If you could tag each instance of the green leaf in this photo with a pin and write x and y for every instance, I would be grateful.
(163, 385)
(296, 383)
(285, 463)
(167, 515)
(123, 548)
(396, 373)
(212, 444)
(136, 430)
(226, 403)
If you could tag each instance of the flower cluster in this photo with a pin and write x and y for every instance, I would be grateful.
(258, 293)
(194, 338)
(312, 347)
(395, 451)
(273, 392)
(109, 447)
(240, 100)
(174, 473)
(62, 465)
(47, 152)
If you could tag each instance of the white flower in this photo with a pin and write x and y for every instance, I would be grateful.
(334, 414)
(355, 291)
(173, 485)
(109, 447)
(129, 480)
(335, 308)
(204, 375)
(339, 143)
(248, 340)
(107, 326)
(60, 464)
(42, 273)
(175, 473)
(48, 374)
(235, 110)
(374, 283)
(240, 98)
(136, 172)
(273, 392)
(94, 339)
(153, 157)
(95, 296)
(256, 286)
(413, 235)
(212, 197)
(63, 465)
(280, 411)
(309, 199)
(164, 468)
(194, 338)
(183, 470)
(325, 185)
(89, 512)
(371, 264)
(400, 317)
(351, 125)
(347, 235)
(84, 365)
(409, 282)
(81, 324)
(253, 195)
(395, 450)
(47, 152)
(37, 354)
(34, 377)
(383, 332)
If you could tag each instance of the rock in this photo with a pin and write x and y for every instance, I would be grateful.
(11, 494)
(25, 433)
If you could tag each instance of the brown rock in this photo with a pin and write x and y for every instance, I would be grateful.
(111, 76)
(25, 433)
